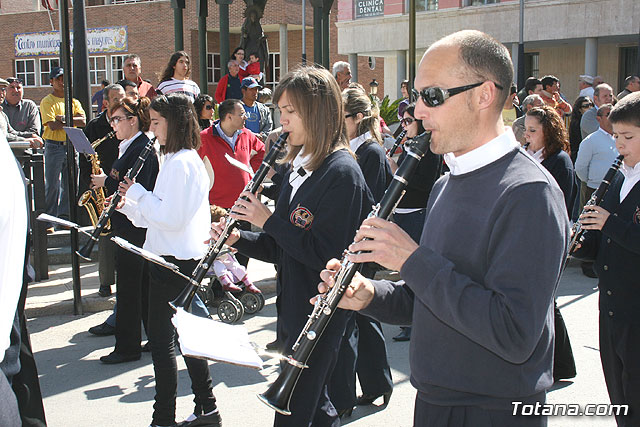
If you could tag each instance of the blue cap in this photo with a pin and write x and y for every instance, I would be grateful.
(249, 82)
(56, 72)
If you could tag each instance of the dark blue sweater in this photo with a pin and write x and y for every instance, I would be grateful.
(484, 278)
(301, 236)
(616, 250)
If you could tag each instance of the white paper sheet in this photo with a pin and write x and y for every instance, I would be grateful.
(213, 340)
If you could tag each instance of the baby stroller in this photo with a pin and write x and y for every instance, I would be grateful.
(229, 290)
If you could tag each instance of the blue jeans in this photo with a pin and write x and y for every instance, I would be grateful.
(55, 164)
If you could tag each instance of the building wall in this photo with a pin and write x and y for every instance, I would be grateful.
(150, 34)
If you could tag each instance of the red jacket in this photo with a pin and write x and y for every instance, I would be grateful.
(229, 181)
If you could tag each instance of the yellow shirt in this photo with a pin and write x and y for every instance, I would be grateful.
(508, 116)
(52, 106)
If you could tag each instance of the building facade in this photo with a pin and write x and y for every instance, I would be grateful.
(146, 27)
(565, 38)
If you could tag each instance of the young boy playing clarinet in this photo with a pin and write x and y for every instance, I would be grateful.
(614, 243)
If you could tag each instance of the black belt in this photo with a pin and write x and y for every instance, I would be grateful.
(51, 141)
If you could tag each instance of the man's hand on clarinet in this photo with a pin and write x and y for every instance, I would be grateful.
(358, 294)
(388, 244)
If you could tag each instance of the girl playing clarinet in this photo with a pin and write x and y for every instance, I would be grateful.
(177, 217)
(323, 200)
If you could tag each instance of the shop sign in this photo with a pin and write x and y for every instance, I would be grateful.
(99, 40)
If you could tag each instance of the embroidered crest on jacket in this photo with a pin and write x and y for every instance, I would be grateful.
(301, 217)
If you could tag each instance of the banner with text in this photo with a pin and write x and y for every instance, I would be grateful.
(99, 40)
(369, 8)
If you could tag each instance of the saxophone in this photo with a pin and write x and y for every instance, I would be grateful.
(93, 200)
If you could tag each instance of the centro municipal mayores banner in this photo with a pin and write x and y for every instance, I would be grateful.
(99, 40)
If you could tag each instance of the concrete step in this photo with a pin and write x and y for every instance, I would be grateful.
(59, 247)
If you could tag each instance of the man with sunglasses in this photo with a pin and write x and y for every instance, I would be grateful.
(480, 305)
(23, 113)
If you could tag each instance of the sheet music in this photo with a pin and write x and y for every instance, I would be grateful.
(213, 340)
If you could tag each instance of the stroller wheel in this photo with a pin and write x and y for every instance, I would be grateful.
(230, 311)
(252, 302)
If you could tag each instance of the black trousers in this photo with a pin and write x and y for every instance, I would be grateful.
(164, 287)
(362, 351)
(310, 403)
(564, 365)
(429, 415)
(132, 295)
(620, 357)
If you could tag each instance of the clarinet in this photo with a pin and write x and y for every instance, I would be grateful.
(186, 296)
(278, 396)
(577, 231)
(105, 216)
(397, 142)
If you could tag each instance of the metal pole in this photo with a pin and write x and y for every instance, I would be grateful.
(81, 83)
(224, 36)
(178, 29)
(65, 60)
(412, 44)
(521, 76)
(203, 12)
(326, 11)
(317, 34)
(304, 32)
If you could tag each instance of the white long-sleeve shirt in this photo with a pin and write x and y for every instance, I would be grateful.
(13, 238)
(176, 214)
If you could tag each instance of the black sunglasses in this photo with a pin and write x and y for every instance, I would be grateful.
(407, 121)
(434, 96)
(346, 116)
(208, 107)
(586, 105)
(14, 80)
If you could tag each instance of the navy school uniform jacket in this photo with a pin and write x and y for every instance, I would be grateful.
(302, 235)
(146, 177)
(375, 168)
(560, 167)
(616, 249)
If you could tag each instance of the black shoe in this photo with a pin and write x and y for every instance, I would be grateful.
(103, 329)
(404, 335)
(274, 346)
(146, 348)
(115, 358)
(104, 291)
(345, 412)
(368, 399)
(587, 270)
(211, 420)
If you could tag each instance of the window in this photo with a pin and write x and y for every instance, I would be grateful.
(128, 1)
(272, 71)
(46, 65)
(26, 70)
(116, 68)
(97, 70)
(422, 5)
(628, 64)
(532, 65)
(479, 2)
(214, 72)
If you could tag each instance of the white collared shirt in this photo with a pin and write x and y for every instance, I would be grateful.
(297, 177)
(631, 178)
(483, 155)
(122, 148)
(356, 142)
(538, 156)
(230, 140)
(176, 214)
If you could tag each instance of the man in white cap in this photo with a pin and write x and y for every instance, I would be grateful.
(585, 84)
